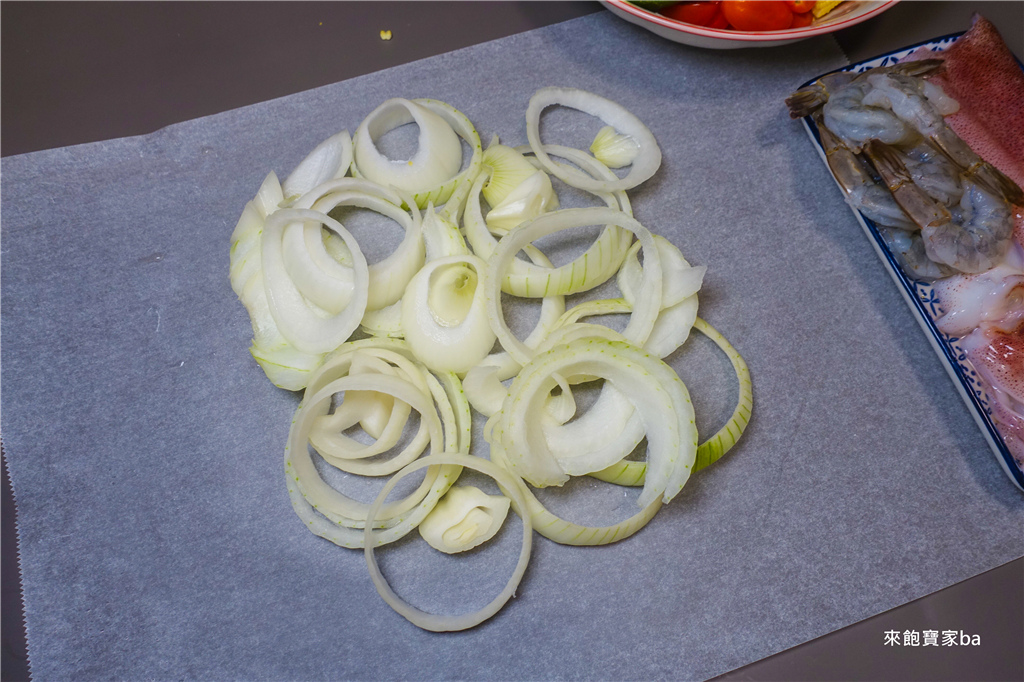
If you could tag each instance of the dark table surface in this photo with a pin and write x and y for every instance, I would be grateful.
(81, 72)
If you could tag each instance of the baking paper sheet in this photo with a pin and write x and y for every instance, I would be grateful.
(145, 446)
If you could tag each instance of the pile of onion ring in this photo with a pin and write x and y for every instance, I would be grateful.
(372, 345)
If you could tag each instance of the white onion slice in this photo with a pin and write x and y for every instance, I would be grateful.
(466, 517)
(614, 149)
(347, 454)
(286, 366)
(298, 323)
(335, 516)
(506, 169)
(596, 265)
(441, 236)
(610, 430)
(437, 158)
(644, 314)
(386, 322)
(645, 164)
(680, 280)
(327, 431)
(565, 532)
(321, 279)
(655, 390)
(483, 383)
(511, 487)
(444, 314)
(331, 159)
(628, 472)
(526, 201)
(453, 192)
(388, 277)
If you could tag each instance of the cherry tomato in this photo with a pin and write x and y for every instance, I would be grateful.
(800, 6)
(719, 21)
(801, 20)
(757, 15)
(696, 13)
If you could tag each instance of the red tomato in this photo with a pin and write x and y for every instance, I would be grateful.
(801, 20)
(800, 6)
(719, 21)
(757, 15)
(697, 13)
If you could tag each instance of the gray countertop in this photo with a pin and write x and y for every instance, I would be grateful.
(76, 73)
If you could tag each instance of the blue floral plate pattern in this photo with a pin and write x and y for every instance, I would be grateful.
(921, 297)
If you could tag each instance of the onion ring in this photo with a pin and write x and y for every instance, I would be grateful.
(646, 163)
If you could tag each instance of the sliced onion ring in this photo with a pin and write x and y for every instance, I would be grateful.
(457, 344)
(642, 319)
(593, 267)
(332, 158)
(714, 448)
(646, 163)
(388, 277)
(453, 193)
(333, 515)
(657, 393)
(510, 486)
(297, 322)
(564, 532)
(438, 155)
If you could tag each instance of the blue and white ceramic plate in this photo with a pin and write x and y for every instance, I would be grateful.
(921, 297)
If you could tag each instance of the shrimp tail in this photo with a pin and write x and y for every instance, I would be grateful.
(922, 209)
(812, 97)
(919, 68)
(807, 100)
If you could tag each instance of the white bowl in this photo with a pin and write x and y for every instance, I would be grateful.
(846, 15)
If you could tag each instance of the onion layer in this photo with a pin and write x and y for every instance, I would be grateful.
(655, 390)
(644, 314)
(646, 162)
(511, 486)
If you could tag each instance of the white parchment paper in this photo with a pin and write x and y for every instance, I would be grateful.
(145, 445)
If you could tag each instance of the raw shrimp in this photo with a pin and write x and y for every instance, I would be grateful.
(813, 96)
(978, 234)
(971, 237)
(856, 123)
(933, 172)
(922, 209)
(913, 100)
(923, 106)
(861, 190)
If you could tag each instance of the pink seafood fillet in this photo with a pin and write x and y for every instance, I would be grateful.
(998, 355)
(982, 74)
